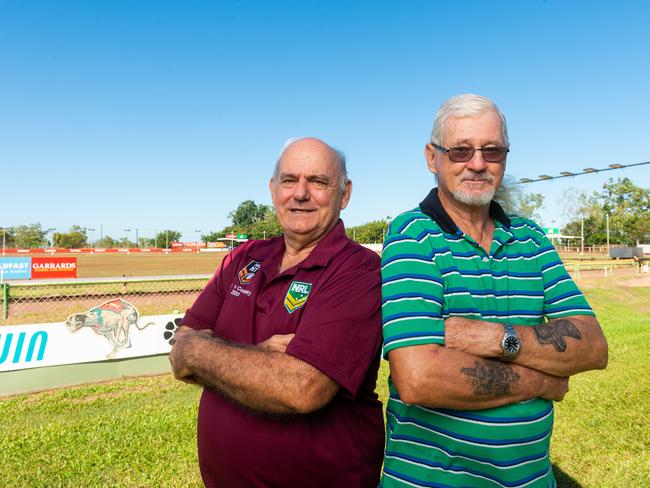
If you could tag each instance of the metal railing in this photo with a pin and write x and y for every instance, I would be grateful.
(27, 303)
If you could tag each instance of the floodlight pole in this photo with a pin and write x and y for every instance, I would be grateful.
(91, 239)
(582, 236)
(127, 239)
(4, 231)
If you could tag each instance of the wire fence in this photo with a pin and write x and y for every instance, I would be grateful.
(33, 302)
(54, 302)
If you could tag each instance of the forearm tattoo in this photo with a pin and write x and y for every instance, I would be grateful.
(491, 378)
(554, 333)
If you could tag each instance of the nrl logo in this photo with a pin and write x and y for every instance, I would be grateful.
(296, 295)
(248, 272)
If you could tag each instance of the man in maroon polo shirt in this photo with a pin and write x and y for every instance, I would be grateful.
(285, 339)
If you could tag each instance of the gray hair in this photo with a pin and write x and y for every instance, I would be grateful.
(464, 106)
(338, 156)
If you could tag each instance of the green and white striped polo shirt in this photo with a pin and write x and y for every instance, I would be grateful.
(431, 270)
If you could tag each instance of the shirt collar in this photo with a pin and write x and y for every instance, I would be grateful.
(332, 243)
(433, 208)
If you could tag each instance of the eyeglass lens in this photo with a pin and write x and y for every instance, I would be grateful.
(490, 154)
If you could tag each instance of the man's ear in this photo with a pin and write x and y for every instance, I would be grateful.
(346, 194)
(430, 155)
(271, 190)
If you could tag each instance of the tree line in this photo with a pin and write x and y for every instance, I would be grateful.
(622, 203)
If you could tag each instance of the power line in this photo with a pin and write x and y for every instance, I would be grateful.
(586, 171)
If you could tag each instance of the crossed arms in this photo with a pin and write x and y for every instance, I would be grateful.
(263, 377)
(466, 373)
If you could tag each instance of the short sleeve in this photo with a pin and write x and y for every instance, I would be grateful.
(412, 287)
(562, 298)
(340, 329)
(205, 310)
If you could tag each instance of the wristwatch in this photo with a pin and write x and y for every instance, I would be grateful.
(510, 344)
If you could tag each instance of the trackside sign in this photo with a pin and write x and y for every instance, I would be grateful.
(46, 268)
(110, 330)
(15, 268)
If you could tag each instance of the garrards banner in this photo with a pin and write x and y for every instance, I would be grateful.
(112, 330)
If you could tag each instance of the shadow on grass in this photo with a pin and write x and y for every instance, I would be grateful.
(563, 479)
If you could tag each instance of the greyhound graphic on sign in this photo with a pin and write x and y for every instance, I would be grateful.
(111, 319)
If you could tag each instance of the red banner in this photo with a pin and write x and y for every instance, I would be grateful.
(45, 268)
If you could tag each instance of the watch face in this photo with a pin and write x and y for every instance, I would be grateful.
(511, 345)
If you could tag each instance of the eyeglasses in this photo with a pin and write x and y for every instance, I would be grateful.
(463, 154)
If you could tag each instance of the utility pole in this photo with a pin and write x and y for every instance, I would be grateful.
(582, 236)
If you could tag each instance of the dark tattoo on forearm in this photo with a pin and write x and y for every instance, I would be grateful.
(554, 333)
(491, 377)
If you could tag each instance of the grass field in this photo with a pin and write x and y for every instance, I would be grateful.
(143, 264)
(141, 432)
(156, 264)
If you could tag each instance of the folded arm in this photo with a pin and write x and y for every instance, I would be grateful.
(439, 377)
(263, 377)
(560, 347)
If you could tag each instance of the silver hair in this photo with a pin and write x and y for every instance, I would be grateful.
(338, 155)
(464, 106)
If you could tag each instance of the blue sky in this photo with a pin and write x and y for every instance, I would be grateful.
(155, 115)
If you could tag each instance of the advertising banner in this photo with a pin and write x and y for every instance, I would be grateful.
(46, 268)
(15, 268)
(112, 330)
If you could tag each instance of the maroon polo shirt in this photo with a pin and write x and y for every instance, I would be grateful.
(332, 302)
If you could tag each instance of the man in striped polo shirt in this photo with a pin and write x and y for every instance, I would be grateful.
(482, 324)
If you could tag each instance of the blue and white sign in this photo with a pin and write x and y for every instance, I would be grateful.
(15, 268)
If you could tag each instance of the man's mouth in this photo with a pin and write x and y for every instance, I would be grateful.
(300, 210)
(476, 179)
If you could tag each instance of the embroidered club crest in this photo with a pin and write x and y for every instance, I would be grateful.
(296, 295)
(248, 272)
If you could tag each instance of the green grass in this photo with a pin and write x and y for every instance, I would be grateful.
(141, 432)
(602, 428)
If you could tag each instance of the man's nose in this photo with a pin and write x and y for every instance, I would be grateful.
(477, 163)
(301, 190)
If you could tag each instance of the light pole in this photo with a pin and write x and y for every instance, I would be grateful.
(127, 239)
(198, 232)
(137, 241)
(4, 231)
(91, 239)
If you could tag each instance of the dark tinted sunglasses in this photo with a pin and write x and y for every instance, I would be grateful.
(463, 154)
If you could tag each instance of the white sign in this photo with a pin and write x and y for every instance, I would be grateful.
(112, 330)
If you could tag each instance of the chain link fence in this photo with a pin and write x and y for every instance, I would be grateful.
(54, 302)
